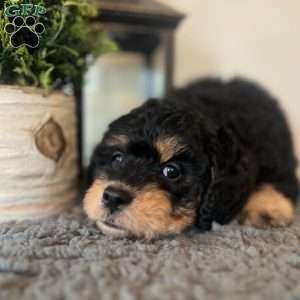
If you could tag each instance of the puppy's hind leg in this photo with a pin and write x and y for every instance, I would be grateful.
(268, 207)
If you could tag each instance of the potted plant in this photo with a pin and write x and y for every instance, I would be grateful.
(43, 49)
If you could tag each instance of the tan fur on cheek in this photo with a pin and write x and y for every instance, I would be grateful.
(92, 199)
(268, 207)
(151, 215)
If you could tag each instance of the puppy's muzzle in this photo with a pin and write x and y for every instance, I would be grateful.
(115, 199)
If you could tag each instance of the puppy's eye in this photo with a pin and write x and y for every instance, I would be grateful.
(117, 157)
(171, 171)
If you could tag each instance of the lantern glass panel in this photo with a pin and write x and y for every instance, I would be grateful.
(115, 84)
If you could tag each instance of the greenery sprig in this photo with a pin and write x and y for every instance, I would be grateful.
(60, 58)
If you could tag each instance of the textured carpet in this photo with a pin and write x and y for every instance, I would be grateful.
(67, 258)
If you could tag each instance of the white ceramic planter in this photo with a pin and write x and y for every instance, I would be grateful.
(38, 153)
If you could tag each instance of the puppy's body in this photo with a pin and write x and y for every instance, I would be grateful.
(229, 146)
(259, 141)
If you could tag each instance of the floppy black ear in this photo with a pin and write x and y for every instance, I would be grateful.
(229, 179)
(90, 172)
(89, 177)
(222, 150)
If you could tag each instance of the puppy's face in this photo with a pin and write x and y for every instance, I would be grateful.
(147, 180)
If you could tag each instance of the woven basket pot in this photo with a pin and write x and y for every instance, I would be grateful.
(38, 153)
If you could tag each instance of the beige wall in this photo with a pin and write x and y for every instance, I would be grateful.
(259, 39)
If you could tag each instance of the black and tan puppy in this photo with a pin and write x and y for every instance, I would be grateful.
(209, 152)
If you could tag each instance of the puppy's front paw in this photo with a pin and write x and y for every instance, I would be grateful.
(267, 208)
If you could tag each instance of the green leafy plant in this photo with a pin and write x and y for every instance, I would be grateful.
(60, 58)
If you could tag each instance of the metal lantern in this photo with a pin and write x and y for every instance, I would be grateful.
(142, 26)
(144, 31)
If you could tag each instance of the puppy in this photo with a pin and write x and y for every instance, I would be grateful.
(211, 151)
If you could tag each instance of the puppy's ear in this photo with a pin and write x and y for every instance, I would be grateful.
(91, 169)
(219, 202)
(89, 178)
(222, 150)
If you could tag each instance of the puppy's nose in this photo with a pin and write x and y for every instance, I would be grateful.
(115, 198)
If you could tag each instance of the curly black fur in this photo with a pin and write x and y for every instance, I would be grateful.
(237, 137)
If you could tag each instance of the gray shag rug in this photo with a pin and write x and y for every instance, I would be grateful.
(66, 257)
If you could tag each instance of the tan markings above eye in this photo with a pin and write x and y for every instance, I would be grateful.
(168, 147)
(116, 140)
